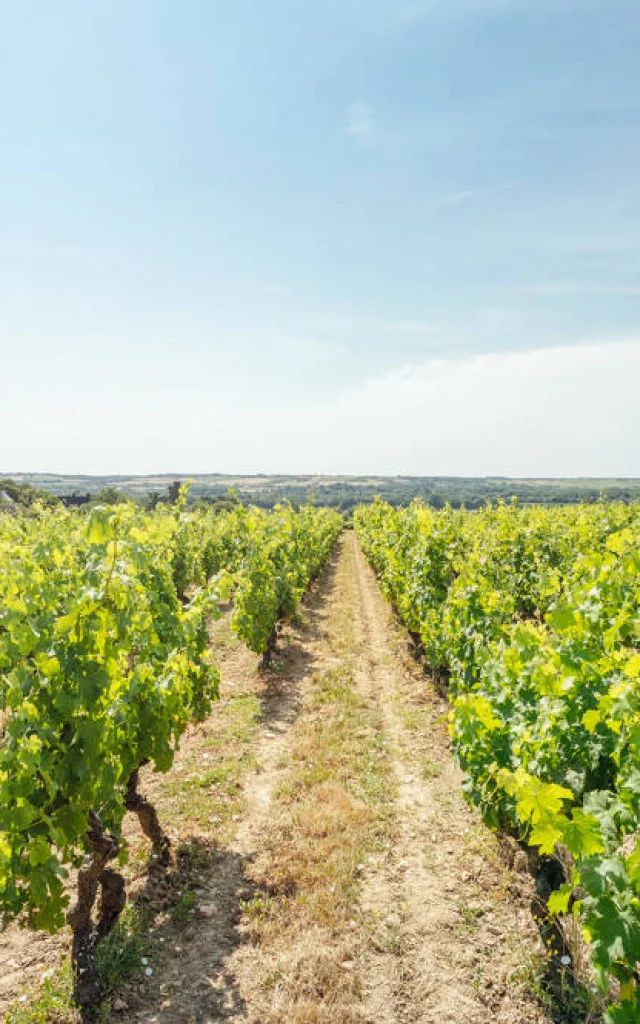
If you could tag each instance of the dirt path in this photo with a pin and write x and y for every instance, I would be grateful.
(425, 921)
(336, 875)
(459, 919)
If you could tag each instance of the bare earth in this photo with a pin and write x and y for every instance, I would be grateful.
(349, 883)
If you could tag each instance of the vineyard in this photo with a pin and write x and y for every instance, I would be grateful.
(104, 655)
(533, 619)
(527, 620)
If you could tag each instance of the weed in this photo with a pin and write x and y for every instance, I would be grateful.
(120, 955)
(185, 903)
(470, 916)
(388, 938)
(566, 1003)
(429, 769)
(51, 1003)
(194, 856)
(259, 906)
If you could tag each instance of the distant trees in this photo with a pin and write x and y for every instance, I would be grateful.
(24, 495)
(173, 493)
(109, 496)
(153, 498)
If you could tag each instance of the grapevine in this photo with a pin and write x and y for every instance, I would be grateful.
(104, 661)
(534, 614)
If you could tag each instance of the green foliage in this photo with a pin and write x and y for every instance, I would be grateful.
(536, 616)
(109, 496)
(22, 495)
(183, 906)
(101, 669)
(285, 551)
(104, 661)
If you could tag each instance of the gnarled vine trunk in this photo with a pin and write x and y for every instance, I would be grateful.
(549, 874)
(94, 876)
(148, 817)
(271, 648)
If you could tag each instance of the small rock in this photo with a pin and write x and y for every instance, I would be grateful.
(120, 1005)
(207, 910)
(520, 863)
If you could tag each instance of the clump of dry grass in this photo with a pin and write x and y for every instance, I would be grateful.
(322, 820)
(325, 818)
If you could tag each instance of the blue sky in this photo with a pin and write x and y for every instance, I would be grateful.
(225, 226)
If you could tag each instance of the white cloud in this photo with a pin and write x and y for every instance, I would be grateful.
(361, 120)
(557, 411)
(566, 411)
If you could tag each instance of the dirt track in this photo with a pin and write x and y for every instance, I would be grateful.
(349, 882)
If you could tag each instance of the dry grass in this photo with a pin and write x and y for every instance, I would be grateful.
(324, 817)
(330, 813)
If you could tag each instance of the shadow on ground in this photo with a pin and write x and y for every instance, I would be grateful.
(190, 945)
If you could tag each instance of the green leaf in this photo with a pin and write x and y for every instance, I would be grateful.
(561, 618)
(48, 666)
(536, 799)
(39, 853)
(546, 834)
(99, 531)
(558, 902)
(581, 834)
(613, 931)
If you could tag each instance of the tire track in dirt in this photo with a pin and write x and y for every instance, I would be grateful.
(455, 919)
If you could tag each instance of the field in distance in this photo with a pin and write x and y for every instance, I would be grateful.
(348, 491)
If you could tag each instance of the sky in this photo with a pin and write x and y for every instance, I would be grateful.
(340, 236)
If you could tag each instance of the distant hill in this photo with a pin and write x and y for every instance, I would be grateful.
(346, 491)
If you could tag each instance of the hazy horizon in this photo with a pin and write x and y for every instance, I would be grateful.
(19, 474)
